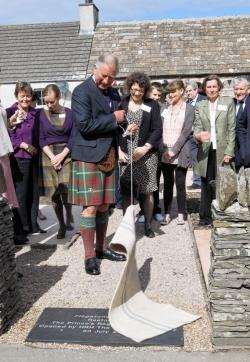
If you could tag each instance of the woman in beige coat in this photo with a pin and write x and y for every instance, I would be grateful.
(214, 130)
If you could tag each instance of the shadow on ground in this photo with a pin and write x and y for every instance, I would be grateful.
(36, 279)
(145, 273)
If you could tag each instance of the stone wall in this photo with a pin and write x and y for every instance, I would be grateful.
(9, 296)
(229, 279)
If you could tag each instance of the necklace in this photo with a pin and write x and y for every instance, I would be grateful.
(134, 106)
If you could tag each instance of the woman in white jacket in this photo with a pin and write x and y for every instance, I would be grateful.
(5, 149)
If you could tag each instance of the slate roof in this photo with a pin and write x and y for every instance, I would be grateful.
(167, 48)
(43, 52)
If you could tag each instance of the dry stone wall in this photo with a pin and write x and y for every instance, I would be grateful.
(9, 297)
(229, 279)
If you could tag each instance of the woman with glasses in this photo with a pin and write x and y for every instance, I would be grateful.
(143, 113)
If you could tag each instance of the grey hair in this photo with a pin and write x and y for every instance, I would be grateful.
(238, 80)
(192, 84)
(108, 59)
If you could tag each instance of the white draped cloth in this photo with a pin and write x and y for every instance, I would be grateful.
(131, 313)
(5, 143)
(6, 182)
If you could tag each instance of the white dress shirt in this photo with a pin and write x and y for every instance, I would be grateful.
(193, 101)
(212, 110)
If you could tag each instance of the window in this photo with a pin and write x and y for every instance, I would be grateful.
(38, 96)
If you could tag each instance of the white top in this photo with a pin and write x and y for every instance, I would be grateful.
(173, 120)
(5, 143)
(212, 110)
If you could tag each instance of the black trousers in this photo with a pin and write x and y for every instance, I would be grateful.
(157, 209)
(27, 192)
(174, 174)
(208, 187)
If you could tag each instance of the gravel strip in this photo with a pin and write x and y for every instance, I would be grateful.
(55, 277)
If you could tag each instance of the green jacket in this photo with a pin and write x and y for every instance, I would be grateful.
(225, 131)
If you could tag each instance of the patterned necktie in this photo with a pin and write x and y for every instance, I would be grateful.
(104, 92)
(240, 110)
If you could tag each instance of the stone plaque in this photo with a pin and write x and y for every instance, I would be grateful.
(91, 327)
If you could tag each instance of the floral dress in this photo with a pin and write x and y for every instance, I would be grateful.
(145, 169)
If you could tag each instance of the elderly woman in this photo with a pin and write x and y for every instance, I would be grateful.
(176, 157)
(214, 130)
(143, 113)
(23, 131)
(55, 131)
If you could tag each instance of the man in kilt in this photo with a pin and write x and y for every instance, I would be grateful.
(95, 125)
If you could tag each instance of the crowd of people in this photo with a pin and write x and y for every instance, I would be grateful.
(82, 156)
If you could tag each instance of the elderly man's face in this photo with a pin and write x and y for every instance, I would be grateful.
(104, 75)
(191, 93)
(240, 91)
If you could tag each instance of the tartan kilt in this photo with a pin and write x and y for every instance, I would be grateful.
(89, 186)
(55, 181)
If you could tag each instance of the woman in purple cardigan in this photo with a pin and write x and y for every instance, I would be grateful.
(23, 131)
(55, 131)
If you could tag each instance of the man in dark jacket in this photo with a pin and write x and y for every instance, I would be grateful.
(240, 86)
(243, 134)
(193, 97)
(96, 121)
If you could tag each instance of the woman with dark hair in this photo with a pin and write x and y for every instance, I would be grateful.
(176, 157)
(214, 130)
(23, 130)
(55, 131)
(144, 114)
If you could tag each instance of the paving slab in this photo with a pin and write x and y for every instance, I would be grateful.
(15, 353)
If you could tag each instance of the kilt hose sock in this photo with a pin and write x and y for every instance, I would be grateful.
(102, 219)
(87, 230)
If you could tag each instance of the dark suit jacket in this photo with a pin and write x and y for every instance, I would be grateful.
(243, 134)
(182, 147)
(201, 97)
(94, 124)
(193, 142)
(151, 124)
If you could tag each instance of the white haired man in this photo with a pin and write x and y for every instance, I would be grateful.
(94, 153)
(240, 87)
(193, 97)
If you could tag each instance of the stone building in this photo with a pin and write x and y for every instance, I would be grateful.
(165, 49)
